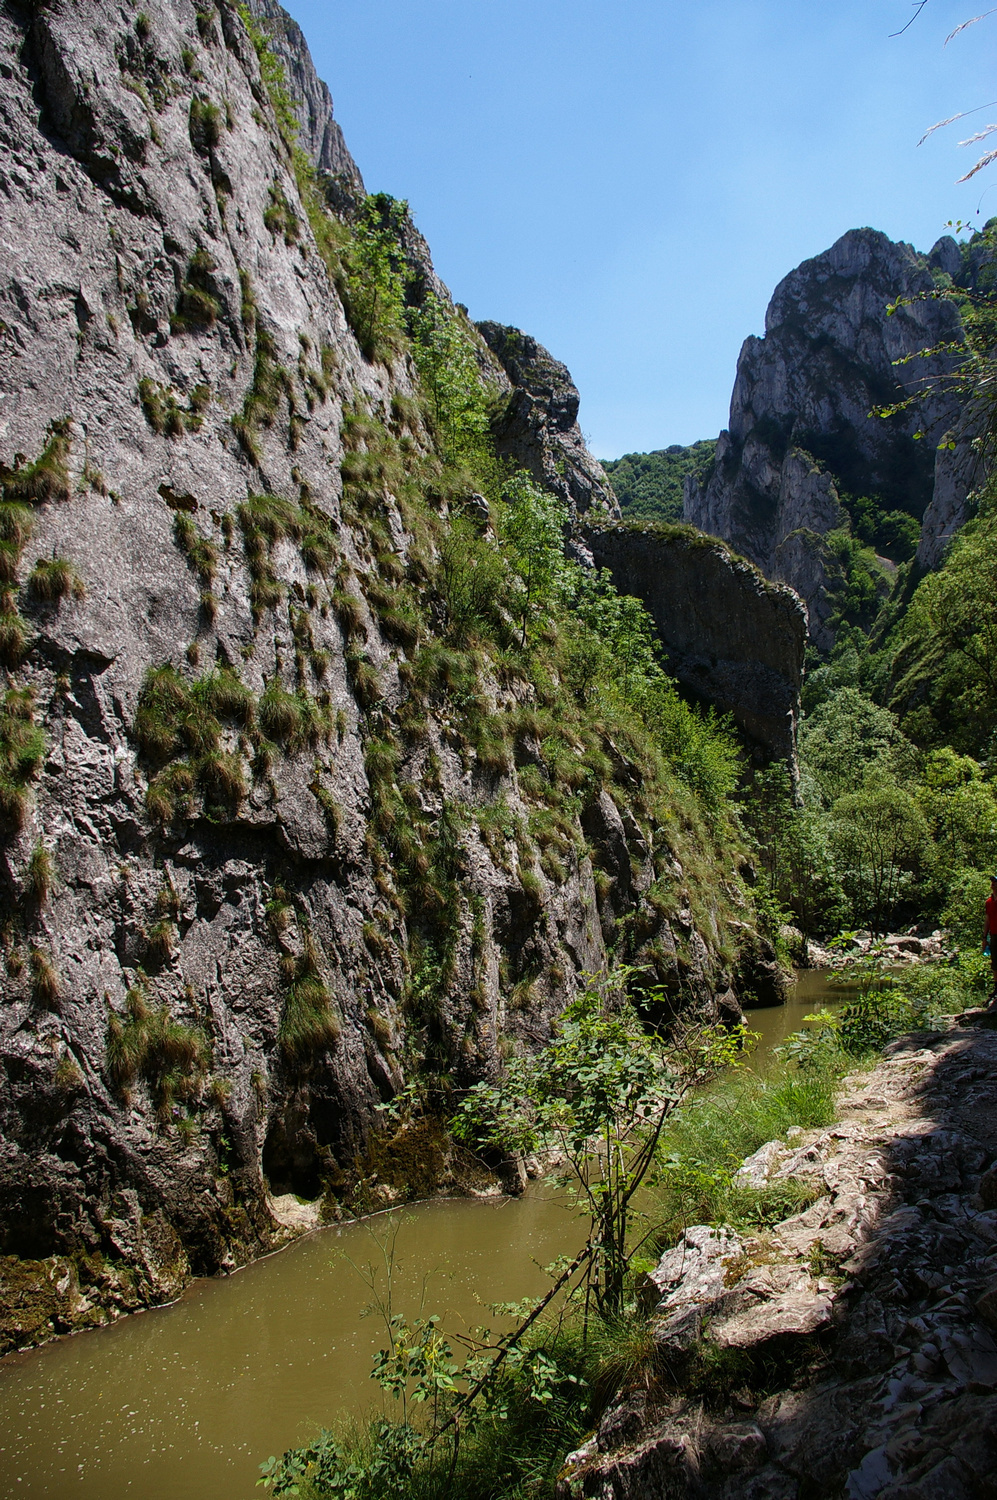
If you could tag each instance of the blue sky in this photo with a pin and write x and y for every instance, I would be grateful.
(628, 180)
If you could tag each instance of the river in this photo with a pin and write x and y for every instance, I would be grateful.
(186, 1401)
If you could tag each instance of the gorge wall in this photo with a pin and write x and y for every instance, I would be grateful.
(272, 846)
(731, 637)
(802, 446)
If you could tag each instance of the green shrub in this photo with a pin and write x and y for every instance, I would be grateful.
(46, 478)
(39, 875)
(204, 123)
(44, 980)
(197, 304)
(279, 217)
(308, 1023)
(55, 578)
(147, 1044)
(15, 636)
(22, 749)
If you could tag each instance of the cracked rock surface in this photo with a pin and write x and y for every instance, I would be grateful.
(878, 1302)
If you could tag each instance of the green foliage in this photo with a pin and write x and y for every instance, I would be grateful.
(945, 666)
(274, 77)
(706, 1141)
(202, 554)
(534, 523)
(459, 402)
(880, 836)
(179, 726)
(39, 875)
(46, 478)
(892, 533)
(163, 411)
(44, 979)
(796, 852)
(55, 578)
(270, 383)
(649, 485)
(847, 737)
(22, 749)
(22, 487)
(376, 277)
(14, 633)
(599, 1094)
(865, 583)
(147, 1044)
(308, 1023)
(280, 218)
(198, 306)
(204, 124)
(472, 581)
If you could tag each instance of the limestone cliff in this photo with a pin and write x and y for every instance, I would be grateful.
(801, 435)
(271, 847)
(539, 427)
(320, 132)
(731, 637)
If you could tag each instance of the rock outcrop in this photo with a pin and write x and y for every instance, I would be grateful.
(320, 132)
(729, 635)
(263, 856)
(801, 430)
(539, 428)
(851, 1350)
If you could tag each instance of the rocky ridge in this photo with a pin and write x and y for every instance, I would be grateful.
(800, 430)
(851, 1348)
(223, 712)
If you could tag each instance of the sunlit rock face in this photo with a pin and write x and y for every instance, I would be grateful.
(801, 429)
(208, 989)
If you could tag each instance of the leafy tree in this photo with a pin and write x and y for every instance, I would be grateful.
(946, 659)
(533, 526)
(445, 356)
(846, 736)
(377, 276)
(600, 1093)
(880, 836)
(650, 484)
(621, 623)
(961, 810)
(471, 577)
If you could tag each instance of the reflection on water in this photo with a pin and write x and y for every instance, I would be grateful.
(186, 1401)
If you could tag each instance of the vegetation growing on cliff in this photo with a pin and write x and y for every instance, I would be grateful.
(649, 485)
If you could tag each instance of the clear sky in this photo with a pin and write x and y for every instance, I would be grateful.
(628, 180)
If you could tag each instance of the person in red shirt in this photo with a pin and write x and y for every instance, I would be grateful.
(990, 929)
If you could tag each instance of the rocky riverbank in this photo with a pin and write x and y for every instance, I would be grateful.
(849, 1350)
(913, 946)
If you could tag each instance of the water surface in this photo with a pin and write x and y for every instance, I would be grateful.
(182, 1403)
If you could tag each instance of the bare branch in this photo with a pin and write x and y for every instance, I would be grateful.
(984, 161)
(920, 6)
(964, 25)
(952, 119)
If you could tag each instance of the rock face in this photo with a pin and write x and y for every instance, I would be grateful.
(540, 426)
(321, 135)
(216, 727)
(800, 427)
(854, 1343)
(730, 636)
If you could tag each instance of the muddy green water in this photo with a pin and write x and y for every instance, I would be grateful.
(183, 1403)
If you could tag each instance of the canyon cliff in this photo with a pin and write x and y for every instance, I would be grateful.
(274, 847)
(803, 451)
